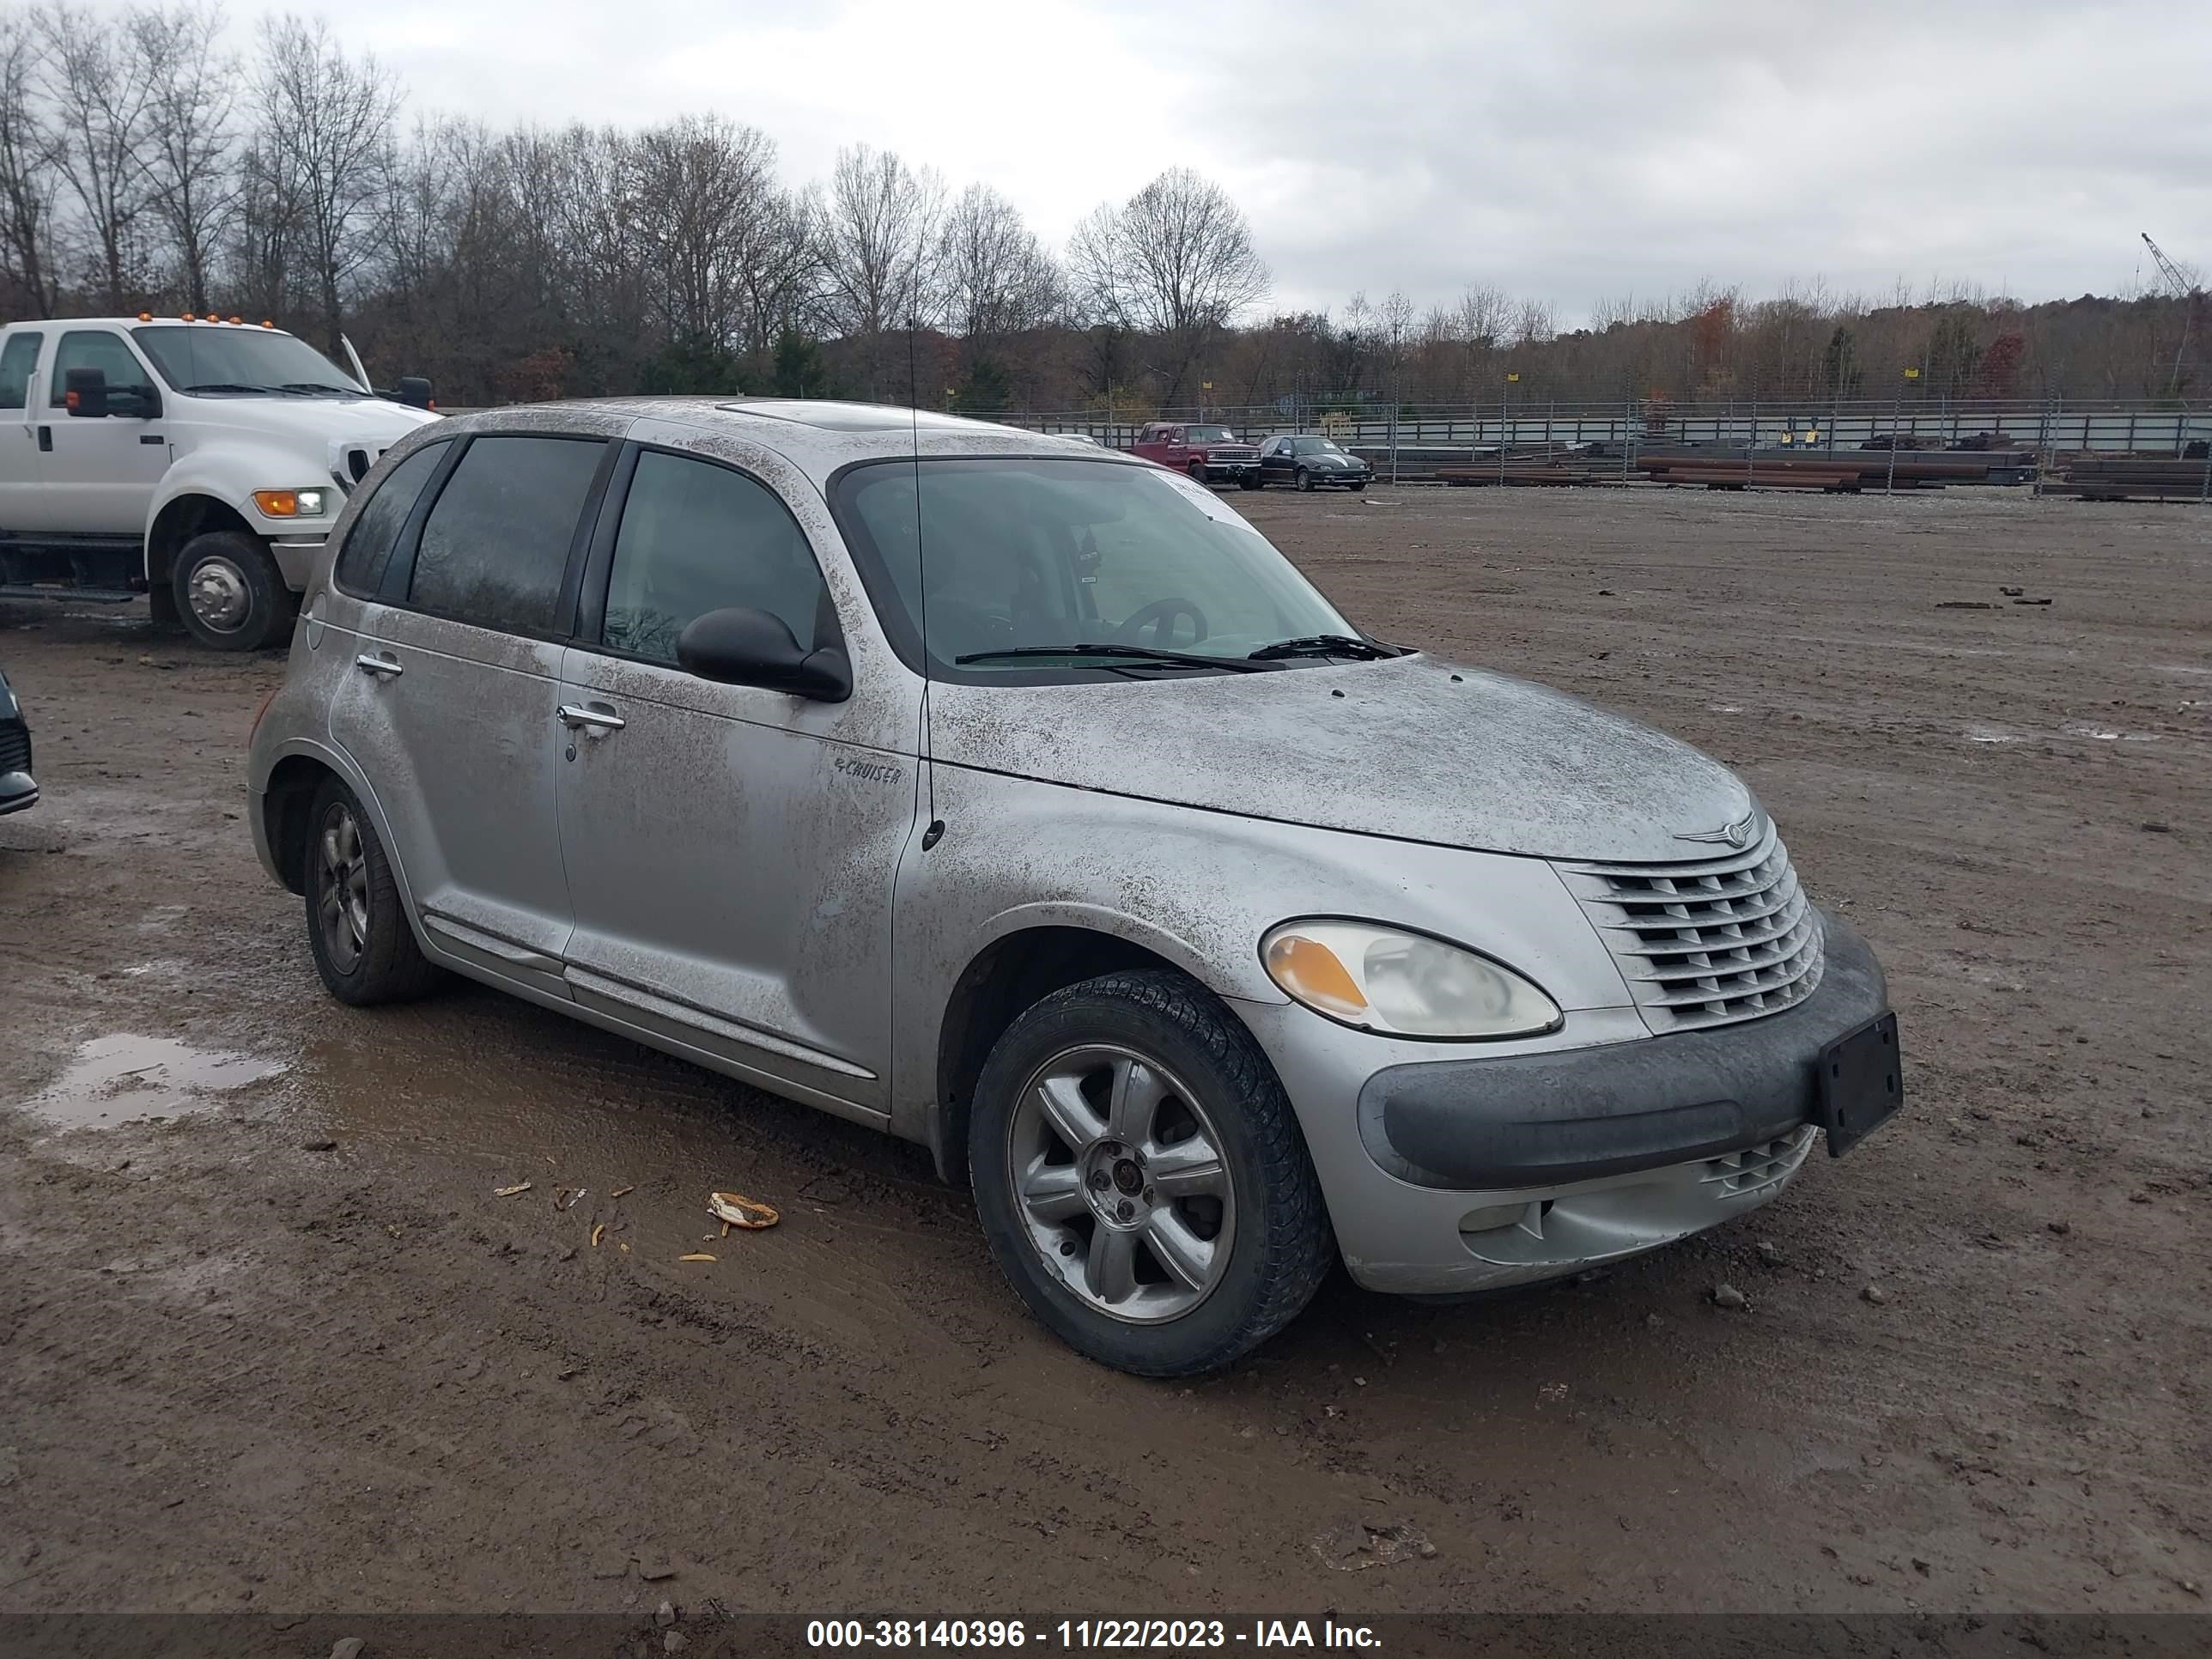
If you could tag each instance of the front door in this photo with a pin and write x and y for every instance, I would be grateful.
(451, 707)
(20, 506)
(730, 849)
(99, 475)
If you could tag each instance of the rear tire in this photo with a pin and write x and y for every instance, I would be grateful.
(1093, 1103)
(229, 593)
(357, 926)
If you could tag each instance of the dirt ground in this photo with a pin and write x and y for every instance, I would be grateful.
(268, 1340)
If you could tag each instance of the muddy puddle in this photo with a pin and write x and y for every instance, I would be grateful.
(125, 1079)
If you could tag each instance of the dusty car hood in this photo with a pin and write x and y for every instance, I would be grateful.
(1484, 761)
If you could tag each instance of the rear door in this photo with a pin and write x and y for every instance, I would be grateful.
(99, 475)
(453, 707)
(19, 432)
(730, 849)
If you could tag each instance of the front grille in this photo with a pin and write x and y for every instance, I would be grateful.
(1755, 1169)
(15, 747)
(1706, 941)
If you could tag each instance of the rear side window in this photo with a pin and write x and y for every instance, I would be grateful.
(496, 543)
(376, 530)
(19, 361)
(98, 349)
(696, 537)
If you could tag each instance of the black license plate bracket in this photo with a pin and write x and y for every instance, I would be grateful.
(1860, 1083)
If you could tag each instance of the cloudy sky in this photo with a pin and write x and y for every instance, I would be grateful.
(1572, 152)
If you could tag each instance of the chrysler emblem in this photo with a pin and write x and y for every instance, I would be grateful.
(1736, 835)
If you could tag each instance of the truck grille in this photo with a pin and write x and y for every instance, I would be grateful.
(15, 747)
(1706, 941)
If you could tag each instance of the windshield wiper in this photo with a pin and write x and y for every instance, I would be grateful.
(317, 388)
(1087, 648)
(235, 386)
(1322, 645)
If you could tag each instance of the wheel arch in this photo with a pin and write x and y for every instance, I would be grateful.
(1006, 977)
(286, 803)
(179, 519)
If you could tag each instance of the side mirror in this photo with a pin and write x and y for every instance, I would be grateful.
(85, 394)
(741, 645)
(414, 390)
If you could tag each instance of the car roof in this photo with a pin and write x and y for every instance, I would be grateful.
(818, 436)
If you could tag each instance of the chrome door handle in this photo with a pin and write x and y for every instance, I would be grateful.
(382, 667)
(599, 720)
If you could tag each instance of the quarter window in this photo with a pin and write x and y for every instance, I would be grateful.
(376, 528)
(496, 543)
(98, 349)
(696, 537)
(19, 361)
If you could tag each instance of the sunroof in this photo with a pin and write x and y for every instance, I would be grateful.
(843, 417)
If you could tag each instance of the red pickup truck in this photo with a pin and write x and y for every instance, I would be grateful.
(1211, 454)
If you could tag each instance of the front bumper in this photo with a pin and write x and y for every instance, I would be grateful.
(296, 556)
(1460, 1175)
(1230, 471)
(18, 790)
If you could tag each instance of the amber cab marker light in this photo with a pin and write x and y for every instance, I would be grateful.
(266, 323)
(145, 316)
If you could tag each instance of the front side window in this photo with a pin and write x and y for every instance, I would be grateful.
(496, 544)
(242, 361)
(696, 537)
(977, 558)
(19, 361)
(87, 348)
(376, 529)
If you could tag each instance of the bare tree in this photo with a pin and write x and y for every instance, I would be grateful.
(1176, 262)
(998, 281)
(98, 89)
(325, 126)
(879, 240)
(28, 177)
(190, 134)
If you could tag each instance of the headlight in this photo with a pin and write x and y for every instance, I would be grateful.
(1404, 984)
(291, 503)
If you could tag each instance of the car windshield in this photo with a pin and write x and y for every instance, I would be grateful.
(1211, 434)
(239, 360)
(1041, 557)
(1315, 446)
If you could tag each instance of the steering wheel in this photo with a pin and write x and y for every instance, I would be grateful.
(1161, 615)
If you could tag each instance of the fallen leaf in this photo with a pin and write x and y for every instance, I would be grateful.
(599, 1233)
(509, 1192)
(696, 1255)
(619, 1191)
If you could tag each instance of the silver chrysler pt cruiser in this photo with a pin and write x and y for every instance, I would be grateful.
(1030, 805)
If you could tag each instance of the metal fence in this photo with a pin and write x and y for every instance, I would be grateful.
(2113, 427)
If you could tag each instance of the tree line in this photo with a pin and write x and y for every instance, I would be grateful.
(145, 165)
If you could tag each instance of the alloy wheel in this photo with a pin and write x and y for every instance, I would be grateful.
(1120, 1182)
(342, 888)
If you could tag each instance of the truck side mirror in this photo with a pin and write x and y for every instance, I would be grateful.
(414, 390)
(85, 392)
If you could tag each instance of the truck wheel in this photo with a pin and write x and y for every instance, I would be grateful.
(1141, 1179)
(1249, 481)
(1197, 471)
(229, 592)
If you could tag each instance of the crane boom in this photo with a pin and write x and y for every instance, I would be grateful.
(2181, 285)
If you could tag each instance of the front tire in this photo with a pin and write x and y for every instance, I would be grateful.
(1141, 1179)
(1249, 480)
(1361, 485)
(357, 926)
(229, 593)
(1305, 480)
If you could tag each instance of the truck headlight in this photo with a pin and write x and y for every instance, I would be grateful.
(292, 503)
(1390, 980)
